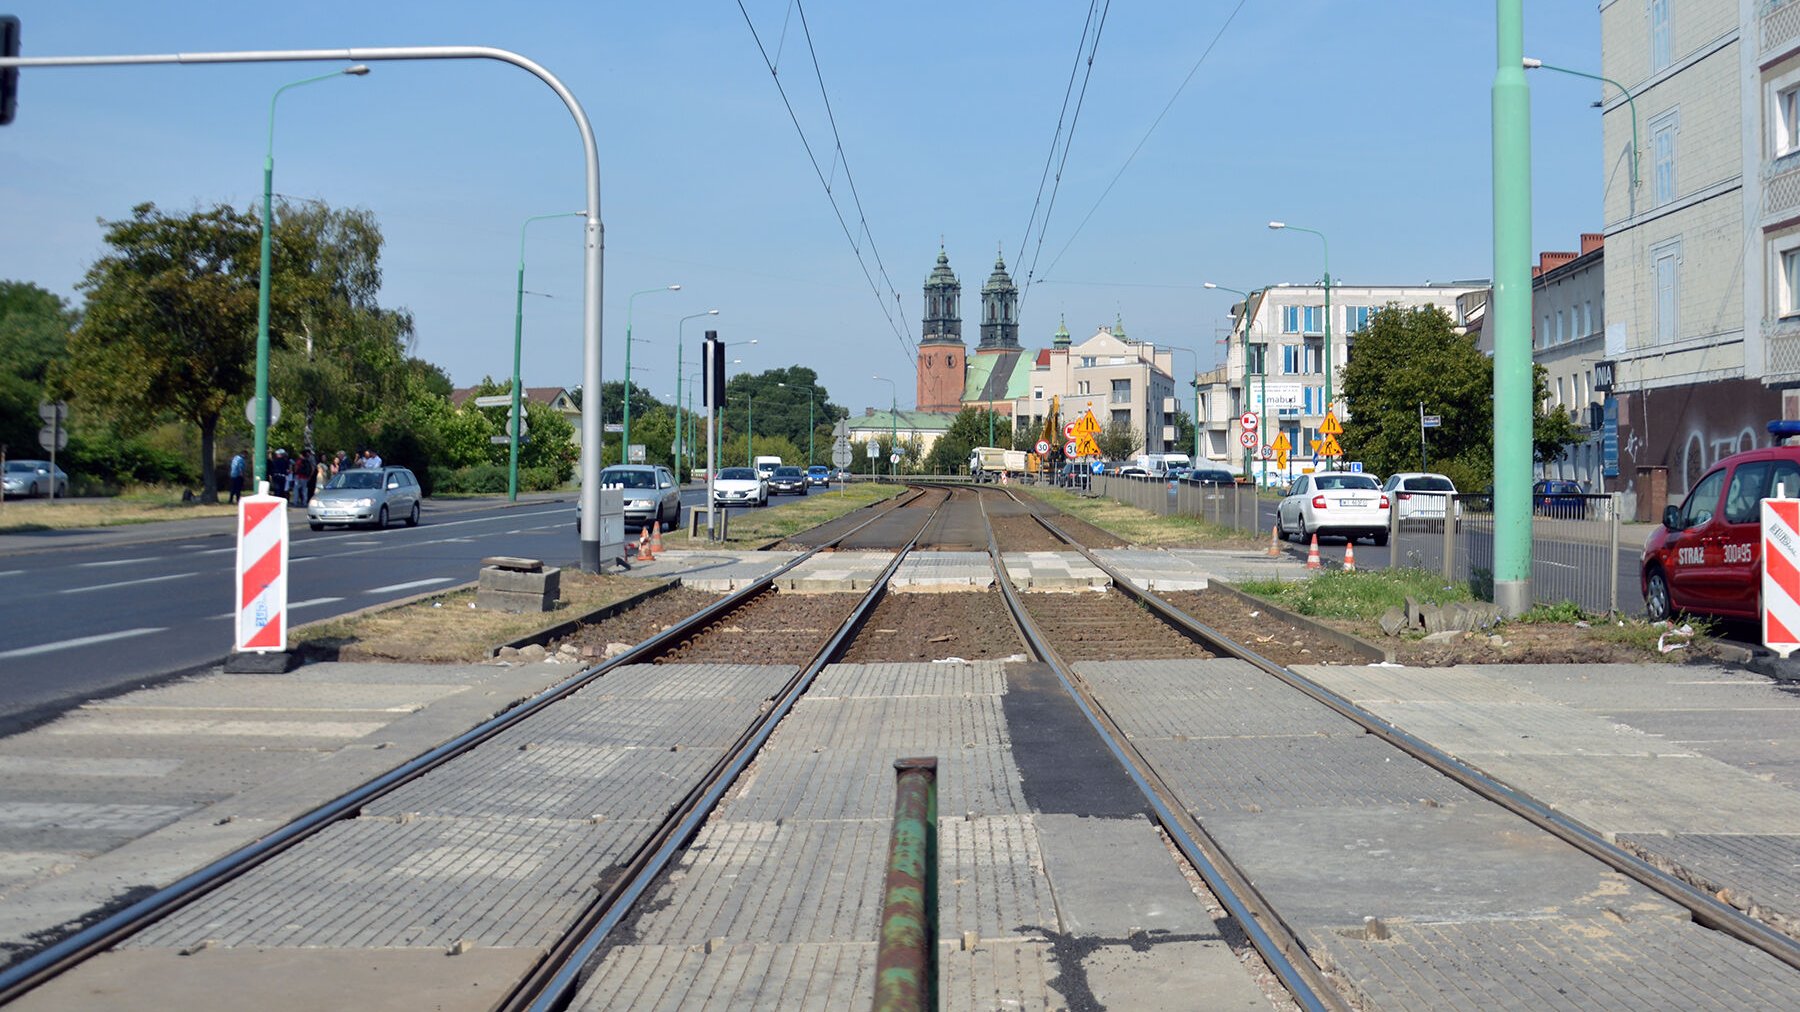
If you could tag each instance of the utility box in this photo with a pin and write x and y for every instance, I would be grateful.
(1652, 493)
(513, 584)
(612, 526)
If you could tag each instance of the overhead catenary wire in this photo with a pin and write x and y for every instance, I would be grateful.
(1057, 136)
(1153, 125)
(1068, 143)
(839, 157)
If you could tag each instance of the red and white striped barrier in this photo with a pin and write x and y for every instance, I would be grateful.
(1781, 575)
(262, 563)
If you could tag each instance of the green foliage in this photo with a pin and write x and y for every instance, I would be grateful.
(1409, 357)
(1184, 434)
(1361, 595)
(98, 458)
(1563, 613)
(734, 453)
(1119, 440)
(34, 332)
(491, 479)
(781, 397)
(970, 428)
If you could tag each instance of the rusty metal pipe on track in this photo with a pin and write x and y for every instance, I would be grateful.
(906, 963)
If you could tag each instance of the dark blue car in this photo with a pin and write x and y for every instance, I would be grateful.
(1562, 499)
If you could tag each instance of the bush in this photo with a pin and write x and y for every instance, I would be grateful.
(490, 479)
(102, 461)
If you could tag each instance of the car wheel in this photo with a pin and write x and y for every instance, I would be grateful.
(316, 527)
(381, 519)
(412, 519)
(32, 491)
(1656, 597)
(1381, 539)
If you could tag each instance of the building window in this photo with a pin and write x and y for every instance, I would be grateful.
(1081, 387)
(1313, 357)
(1315, 319)
(1662, 148)
(1290, 319)
(1037, 393)
(1314, 400)
(1666, 263)
(1790, 283)
(1559, 327)
(1257, 361)
(1587, 314)
(1356, 318)
(1087, 361)
(1559, 391)
(1544, 331)
(1787, 121)
(1121, 391)
(1290, 359)
(1662, 34)
(1121, 418)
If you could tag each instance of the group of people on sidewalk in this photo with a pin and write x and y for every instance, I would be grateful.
(297, 477)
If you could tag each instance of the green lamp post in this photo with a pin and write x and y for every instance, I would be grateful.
(259, 459)
(625, 429)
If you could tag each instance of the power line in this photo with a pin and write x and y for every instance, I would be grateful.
(1056, 138)
(862, 219)
(1153, 125)
(1068, 144)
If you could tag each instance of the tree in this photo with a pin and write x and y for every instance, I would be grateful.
(1119, 440)
(34, 333)
(781, 404)
(1412, 356)
(950, 454)
(171, 320)
(1184, 434)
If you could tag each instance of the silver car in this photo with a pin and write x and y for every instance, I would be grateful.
(366, 495)
(649, 493)
(32, 478)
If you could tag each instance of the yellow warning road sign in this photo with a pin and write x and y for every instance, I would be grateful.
(1281, 445)
(1317, 445)
(1085, 445)
(1281, 458)
(1331, 426)
(1086, 425)
(1331, 448)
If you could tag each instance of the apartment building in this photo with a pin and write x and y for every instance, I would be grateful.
(1568, 301)
(1119, 379)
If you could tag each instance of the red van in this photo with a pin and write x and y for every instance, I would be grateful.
(1706, 558)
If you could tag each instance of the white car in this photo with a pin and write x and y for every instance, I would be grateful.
(1346, 504)
(740, 486)
(1420, 494)
(32, 478)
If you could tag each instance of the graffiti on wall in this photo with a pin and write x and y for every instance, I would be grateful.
(1688, 429)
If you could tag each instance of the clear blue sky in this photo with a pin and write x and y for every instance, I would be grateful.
(1367, 121)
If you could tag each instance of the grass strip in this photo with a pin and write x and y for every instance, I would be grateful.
(1142, 527)
(754, 526)
(1360, 596)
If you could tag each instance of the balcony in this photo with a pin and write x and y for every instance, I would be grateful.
(1781, 184)
(1781, 350)
(1780, 27)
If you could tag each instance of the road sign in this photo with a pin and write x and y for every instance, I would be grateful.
(53, 437)
(1267, 452)
(1281, 458)
(1043, 447)
(840, 452)
(636, 453)
(1356, 467)
(1281, 444)
(262, 562)
(250, 411)
(1248, 421)
(1331, 426)
(494, 401)
(1069, 449)
(614, 427)
(1087, 424)
(1431, 421)
(874, 450)
(1085, 445)
(1097, 468)
(893, 458)
(53, 411)
(1330, 448)
(1247, 438)
(1780, 575)
(1069, 431)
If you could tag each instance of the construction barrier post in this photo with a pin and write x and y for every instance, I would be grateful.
(1450, 540)
(906, 963)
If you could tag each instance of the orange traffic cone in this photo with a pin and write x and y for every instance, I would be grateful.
(1275, 541)
(644, 552)
(1350, 556)
(655, 538)
(1312, 554)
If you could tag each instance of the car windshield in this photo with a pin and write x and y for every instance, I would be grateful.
(1561, 486)
(787, 472)
(1345, 482)
(1429, 484)
(25, 466)
(619, 477)
(737, 474)
(355, 479)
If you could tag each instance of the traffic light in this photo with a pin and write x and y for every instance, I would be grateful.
(9, 76)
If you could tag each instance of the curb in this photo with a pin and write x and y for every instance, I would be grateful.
(543, 636)
(1355, 644)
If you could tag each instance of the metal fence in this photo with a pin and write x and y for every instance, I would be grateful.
(1574, 537)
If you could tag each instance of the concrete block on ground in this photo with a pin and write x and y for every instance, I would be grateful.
(513, 562)
(1392, 621)
(514, 601)
(543, 581)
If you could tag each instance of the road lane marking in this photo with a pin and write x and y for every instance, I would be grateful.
(127, 583)
(80, 641)
(216, 551)
(117, 562)
(293, 607)
(409, 586)
(12, 572)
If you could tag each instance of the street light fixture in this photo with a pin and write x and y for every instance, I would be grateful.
(518, 409)
(1535, 64)
(680, 404)
(259, 459)
(893, 422)
(625, 430)
(1278, 225)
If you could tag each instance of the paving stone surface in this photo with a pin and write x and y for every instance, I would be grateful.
(835, 573)
(1217, 698)
(1053, 571)
(1754, 867)
(718, 571)
(1151, 569)
(925, 572)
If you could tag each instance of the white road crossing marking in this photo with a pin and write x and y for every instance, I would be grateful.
(409, 586)
(80, 641)
(127, 583)
(117, 562)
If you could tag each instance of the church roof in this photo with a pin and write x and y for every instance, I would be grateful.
(941, 276)
(1001, 376)
(999, 281)
(903, 421)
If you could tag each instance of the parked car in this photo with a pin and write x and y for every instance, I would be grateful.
(32, 478)
(649, 494)
(366, 495)
(1706, 558)
(1210, 476)
(1553, 498)
(788, 479)
(740, 486)
(1347, 504)
(818, 474)
(1420, 494)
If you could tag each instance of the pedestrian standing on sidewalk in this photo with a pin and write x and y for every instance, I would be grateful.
(238, 464)
(303, 476)
(279, 467)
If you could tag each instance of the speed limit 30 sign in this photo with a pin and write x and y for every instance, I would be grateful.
(1247, 439)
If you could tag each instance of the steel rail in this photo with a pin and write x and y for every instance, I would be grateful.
(1265, 929)
(108, 931)
(1705, 909)
(553, 983)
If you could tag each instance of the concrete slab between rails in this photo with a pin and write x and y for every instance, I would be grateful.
(712, 570)
(1237, 564)
(1152, 569)
(835, 573)
(934, 572)
(220, 979)
(1053, 571)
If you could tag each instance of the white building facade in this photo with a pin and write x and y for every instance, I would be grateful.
(1120, 380)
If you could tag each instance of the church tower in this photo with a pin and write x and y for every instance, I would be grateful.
(999, 311)
(941, 351)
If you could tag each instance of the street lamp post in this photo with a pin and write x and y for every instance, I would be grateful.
(625, 429)
(1510, 312)
(680, 407)
(259, 459)
(1329, 403)
(894, 422)
(518, 408)
(1533, 64)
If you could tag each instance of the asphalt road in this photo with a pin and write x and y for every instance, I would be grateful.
(82, 622)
